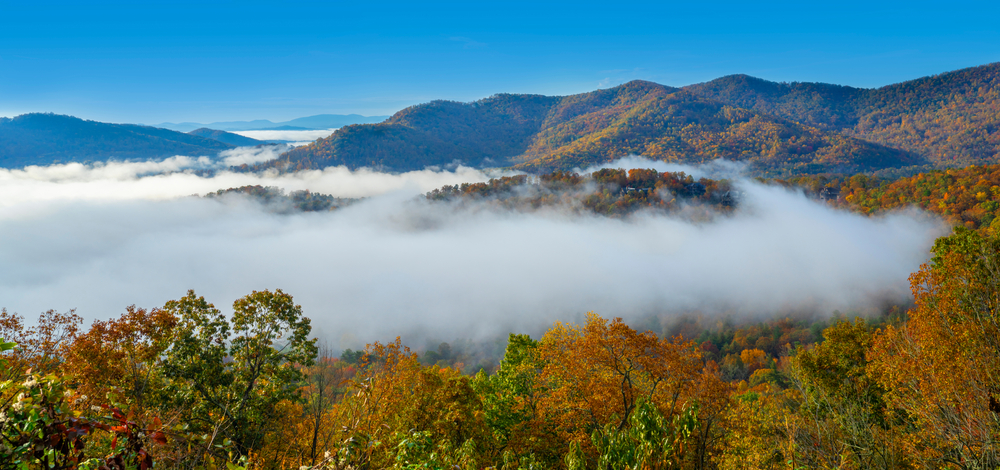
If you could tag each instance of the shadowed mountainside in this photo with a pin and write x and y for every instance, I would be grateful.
(226, 137)
(44, 139)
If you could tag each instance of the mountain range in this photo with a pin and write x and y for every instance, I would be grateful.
(952, 119)
(319, 121)
(777, 129)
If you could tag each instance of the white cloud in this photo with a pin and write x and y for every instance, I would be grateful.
(300, 137)
(250, 155)
(124, 181)
(399, 265)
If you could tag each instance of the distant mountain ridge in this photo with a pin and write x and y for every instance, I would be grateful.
(44, 139)
(317, 122)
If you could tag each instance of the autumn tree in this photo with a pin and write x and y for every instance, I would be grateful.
(400, 413)
(121, 356)
(597, 374)
(841, 411)
(42, 347)
(943, 366)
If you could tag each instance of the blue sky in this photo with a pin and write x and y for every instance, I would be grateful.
(151, 62)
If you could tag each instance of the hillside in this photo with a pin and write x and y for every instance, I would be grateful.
(968, 197)
(950, 119)
(43, 139)
(436, 133)
(229, 138)
(540, 133)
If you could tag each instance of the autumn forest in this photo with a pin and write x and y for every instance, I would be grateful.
(914, 385)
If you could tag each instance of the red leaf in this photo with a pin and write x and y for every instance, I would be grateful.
(159, 438)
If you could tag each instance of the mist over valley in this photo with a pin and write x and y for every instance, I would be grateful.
(97, 238)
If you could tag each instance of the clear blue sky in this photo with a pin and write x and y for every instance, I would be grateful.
(150, 62)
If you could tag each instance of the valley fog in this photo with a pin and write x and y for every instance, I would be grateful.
(98, 238)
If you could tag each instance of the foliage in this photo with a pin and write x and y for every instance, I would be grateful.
(42, 427)
(41, 347)
(229, 376)
(943, 366)
(649, 442)
(119, 357)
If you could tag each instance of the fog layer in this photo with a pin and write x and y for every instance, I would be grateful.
(294, 137)
(100, 238)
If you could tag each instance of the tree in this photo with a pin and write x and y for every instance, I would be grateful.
(510, 404)
(122, 356)
(841, 408)
(230, 376)
(596, 375)
(943, 366)
(41, 348)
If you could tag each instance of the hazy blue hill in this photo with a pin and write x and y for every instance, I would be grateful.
(541, 133)
(42, 139)
(225, 125)
(950, 119)
(319, 121)
(235, 140)
(332, 121)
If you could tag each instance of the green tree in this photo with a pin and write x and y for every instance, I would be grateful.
(228, 376)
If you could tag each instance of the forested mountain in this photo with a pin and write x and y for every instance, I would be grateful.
(952, 118)
(44, 139)
(542, 133)
(226, 137)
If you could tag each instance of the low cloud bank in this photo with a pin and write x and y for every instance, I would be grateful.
(100, 238)
(177, 177)
(293, 137)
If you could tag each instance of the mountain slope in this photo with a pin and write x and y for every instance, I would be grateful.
(43, 139)
(951, 118)
(488, 131)
(229, 138)
(541, 133)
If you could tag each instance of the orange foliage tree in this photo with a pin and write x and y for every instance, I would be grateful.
(943, 366)
(120, 355)
(598, 374)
